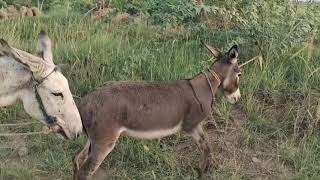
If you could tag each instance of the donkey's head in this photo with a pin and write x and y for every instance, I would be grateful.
(49, 98)
(229, 72)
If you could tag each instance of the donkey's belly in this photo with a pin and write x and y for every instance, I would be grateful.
(154, 133)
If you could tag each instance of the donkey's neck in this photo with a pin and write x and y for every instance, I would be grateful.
(205, 89)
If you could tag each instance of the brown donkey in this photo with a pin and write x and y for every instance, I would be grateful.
(154, 110)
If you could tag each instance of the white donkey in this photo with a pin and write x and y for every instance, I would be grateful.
(44, 91)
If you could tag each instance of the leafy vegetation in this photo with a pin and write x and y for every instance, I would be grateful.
(273, 133)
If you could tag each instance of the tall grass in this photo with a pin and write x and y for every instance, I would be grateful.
(279, 97)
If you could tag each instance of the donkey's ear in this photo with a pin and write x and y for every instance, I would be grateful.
(44, 47)
(233, 54)
(214, 51)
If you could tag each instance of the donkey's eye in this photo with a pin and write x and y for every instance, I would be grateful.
(58, 94)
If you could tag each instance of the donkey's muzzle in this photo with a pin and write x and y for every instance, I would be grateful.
(234, 97)
(60, 128)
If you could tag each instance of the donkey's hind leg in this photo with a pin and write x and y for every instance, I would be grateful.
(99, 150)
(201, 140)
(82, 156)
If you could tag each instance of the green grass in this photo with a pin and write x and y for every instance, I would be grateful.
(279, 102)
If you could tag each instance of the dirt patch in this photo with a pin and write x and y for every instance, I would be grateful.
(112, 15)
(19, 11)
(230, 153)
(102, 13)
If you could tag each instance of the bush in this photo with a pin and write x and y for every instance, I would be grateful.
(161, 11)
(3, 4)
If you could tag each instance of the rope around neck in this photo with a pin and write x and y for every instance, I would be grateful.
(49, 119)
(214, 74)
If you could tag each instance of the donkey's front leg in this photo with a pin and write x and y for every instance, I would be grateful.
(201, 140)
(81, 157)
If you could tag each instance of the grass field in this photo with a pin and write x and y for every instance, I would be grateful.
(272, 133)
